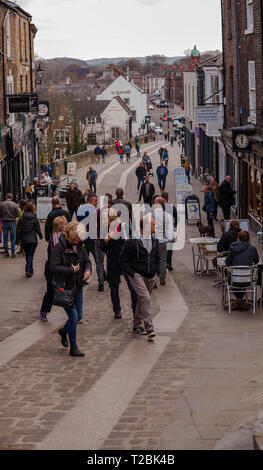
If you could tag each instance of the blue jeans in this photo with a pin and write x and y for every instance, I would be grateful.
(9, 227)
(71, 213)
(162, 182)
(74, 315)
(140, 181)
(29, 250)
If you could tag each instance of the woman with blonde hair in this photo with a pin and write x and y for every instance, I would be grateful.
(71, 267)
(58, 228)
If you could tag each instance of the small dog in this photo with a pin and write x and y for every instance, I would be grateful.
(205, 230)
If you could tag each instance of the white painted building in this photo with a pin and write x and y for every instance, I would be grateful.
(133, 97)
(116, 121)
(213, 84)
(155, 84)
(191, 128)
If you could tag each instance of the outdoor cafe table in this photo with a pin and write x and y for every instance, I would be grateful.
(196, 241)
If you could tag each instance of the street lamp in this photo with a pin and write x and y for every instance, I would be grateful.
(39, 75)
(68, 149)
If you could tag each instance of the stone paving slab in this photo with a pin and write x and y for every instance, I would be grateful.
(205, 384)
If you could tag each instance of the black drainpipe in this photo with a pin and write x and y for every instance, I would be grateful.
(3, 65)
(30, 52)
(237, 66)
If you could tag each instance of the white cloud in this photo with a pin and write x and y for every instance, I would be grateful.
(88, 29)
(151, 2)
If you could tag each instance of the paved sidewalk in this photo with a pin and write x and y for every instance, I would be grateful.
(199, 380)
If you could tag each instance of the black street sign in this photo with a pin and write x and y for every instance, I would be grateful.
(23, 103)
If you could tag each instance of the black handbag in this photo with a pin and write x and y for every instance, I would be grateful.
(63, 297)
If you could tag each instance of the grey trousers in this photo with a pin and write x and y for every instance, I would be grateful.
(163, 261)
(143, 288)
(100, 256)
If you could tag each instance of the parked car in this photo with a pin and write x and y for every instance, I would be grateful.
(177, 124)
(158, 130)
(151, 106)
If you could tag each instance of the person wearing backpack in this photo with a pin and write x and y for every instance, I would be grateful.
(165, 157)
(138, 147)
(187, 168)
(127, 150)
(121, 153)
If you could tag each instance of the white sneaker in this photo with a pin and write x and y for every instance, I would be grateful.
(150, 336)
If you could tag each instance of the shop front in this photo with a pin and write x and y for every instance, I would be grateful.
(205, 153)
(190, 148)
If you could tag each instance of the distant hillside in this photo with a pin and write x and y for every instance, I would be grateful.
(67, 61)
(119, 60)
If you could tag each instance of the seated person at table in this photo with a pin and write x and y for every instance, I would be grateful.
(242, 253)
(229, 237)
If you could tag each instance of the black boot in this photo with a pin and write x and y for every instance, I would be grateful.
(76, 352)
(64, 339)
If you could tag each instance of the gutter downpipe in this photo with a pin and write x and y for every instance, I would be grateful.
(3, 64)
(239, 155)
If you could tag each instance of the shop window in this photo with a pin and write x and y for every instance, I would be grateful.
(258, 195)
(252, 92)
(57, 154)
(255, 186)
(251, 189)
(8, 37)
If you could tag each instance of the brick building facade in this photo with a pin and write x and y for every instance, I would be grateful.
(174, 78)
(18, 147)
(242, 54)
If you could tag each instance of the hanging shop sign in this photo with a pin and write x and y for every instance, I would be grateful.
(23, 103)
(43, 109)
(207, 114)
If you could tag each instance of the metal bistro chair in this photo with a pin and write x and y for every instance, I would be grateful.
(208, 252)
(196, 258)
(241, 279)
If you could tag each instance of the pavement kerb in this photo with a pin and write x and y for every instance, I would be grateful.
(258, 432)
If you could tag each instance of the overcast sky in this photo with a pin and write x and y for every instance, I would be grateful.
(88, 29)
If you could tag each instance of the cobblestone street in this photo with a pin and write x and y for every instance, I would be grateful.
(200, 380)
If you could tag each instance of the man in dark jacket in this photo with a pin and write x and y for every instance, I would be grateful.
(140, 259)
(113, 247)
(119, 201)
(162, 172)
(147, 192)
(242, 254)
(97, 153)
(226, 197)
(74, 198)
(57, 211)
(229, 237)
(140, 173)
